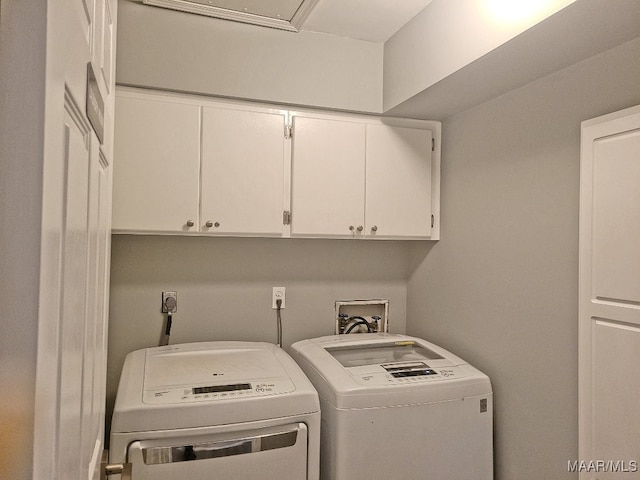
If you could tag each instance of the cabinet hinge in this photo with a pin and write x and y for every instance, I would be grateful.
(433, 144)
(288, 131)
(286, 217)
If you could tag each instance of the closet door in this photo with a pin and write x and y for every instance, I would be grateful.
(327, 177)
(609, 320)
(243, 165)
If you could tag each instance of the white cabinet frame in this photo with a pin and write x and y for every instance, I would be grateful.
(333, 147)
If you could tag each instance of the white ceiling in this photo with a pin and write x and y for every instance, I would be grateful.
(373, 20)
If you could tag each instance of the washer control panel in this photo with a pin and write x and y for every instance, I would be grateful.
(418, 369)
(207, 393)
(406, 373)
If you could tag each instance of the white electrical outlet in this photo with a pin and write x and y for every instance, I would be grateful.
(278, 294)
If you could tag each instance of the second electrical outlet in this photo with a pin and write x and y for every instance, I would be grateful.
(278, 294)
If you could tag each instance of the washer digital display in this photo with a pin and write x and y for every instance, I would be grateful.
(221, 388)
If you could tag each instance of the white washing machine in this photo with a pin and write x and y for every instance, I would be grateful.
(217, 410)
(398, 407)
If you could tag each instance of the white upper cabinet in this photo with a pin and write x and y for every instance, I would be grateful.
(156, 172)
(357, 177)
(188, 164)
(327, 177)
(242, 173)
(398, 182)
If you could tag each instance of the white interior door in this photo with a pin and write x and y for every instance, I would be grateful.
(74, 256)
(327, 177)
(609, 321)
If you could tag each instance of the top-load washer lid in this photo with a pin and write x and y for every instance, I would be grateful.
(206, 384)
(191, 373)
(392, 352)
(381, 369)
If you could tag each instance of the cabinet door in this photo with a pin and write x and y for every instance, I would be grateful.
(156, 165)
(327, 177)
(398, 187)
(242, 183)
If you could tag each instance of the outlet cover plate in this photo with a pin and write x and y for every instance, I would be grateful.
(169, 302)
(278, 293)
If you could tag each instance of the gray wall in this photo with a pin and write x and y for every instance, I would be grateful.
(179, 51)
(445, 37)
(224, 288)
(415, 59)
(501, 287)
(453, 55)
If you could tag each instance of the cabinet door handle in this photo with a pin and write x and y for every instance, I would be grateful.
(352, 228)
(360, 228)
(190, 223)
(374, 228)
(209, 224)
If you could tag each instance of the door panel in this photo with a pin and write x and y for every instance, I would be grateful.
(327, 178)
(242, 171)
(91, 409)
(616, 218)
(616, 354)
(73, 298)
(157, 148)
(95, 336)
(398, 196)
(108, 49)
(85, 11)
